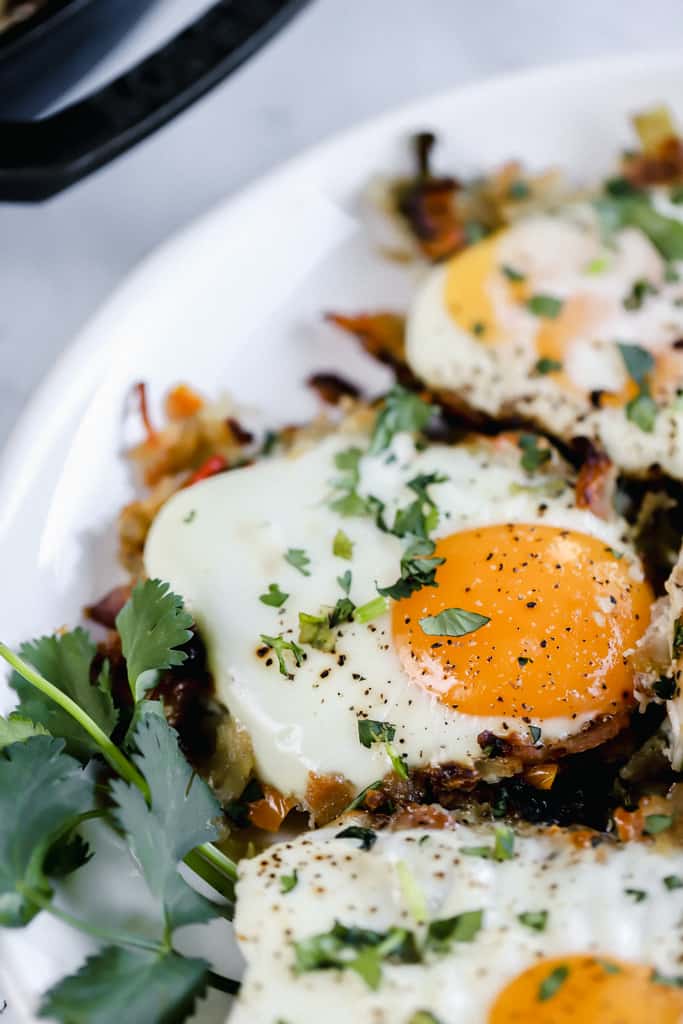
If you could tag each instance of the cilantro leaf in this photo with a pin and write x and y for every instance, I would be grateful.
(123, 984)
(546, 365)
(315, 630)
(16, 728)
(357, 949)
(533, 455)
(503, 847)
(182, 814)
(550, 985)
(274, 597)
(656, 823)
(639, 292)
(637, 360)
(461, 928)
(545, 305)
(534, 919)
(152, 624)
(280, 645)
(66, 660)
(367, 836)
(370, 732)
(289, 882)
(421, 516)
(512, 274)
(642, 410)
(298, 558)
(403, 411)
(453, 622)
(344, 581)
(42, 793)
(417, 570)
(342, 545)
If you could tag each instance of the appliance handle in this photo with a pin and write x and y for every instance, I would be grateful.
(42, 157)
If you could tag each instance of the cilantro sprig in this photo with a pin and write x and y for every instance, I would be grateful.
(166, 812)
(371, 731)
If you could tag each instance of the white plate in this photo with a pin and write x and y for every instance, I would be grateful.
(233, 304)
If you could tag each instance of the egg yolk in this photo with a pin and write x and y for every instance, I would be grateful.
(563, 610)
(588, 990)
(478, 297)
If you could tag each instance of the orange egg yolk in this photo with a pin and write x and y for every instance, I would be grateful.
(563, 610)
(588, 990)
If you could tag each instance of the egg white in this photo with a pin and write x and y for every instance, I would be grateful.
(582, 889)
(222, 542)
(555, 253)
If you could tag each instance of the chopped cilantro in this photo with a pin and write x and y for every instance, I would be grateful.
(637, 360)
(424, 1017)
(547, 365)
(637, 895)
(288, 882)
(533, 455)
(620, 187)
(344, 581)
(478, 328)
(371, 610)
(674, 980)
(417, 570)
(342, 611)
(474, 231)
(636, 211)
(412, 893)
(512, 274)
(656, 823)
(502, 849)
(315, 630)
(280, 645)
(672, 882)
(298, 558)
(191, 516)
(461, 928)
(367, 836)
(534, 919)
(370, 732)
(274, 597)
(357, 949)
(545, 305)
(453, 622)
(421, 516)
(359, 800)
(597, 266)
(519, 190)
(552, 983)
(342, 545)
(639, 292)
(403, 411)
(642, 410)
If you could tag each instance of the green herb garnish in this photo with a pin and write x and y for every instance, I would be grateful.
(274, 597)
(367, 836)
(461, 928)
(534, 919)
(342, 545)
(554, 981)
(288, 882)
(280, 646)
(298, 558)
(545, 305)
(403, 411)
(533, 455)
(418, 569)
(453, 622)
(637, 895)
(656, 823)
(547, 365)
(512, 274)
(672, 882)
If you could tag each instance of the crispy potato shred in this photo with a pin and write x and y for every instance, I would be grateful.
(612, 775)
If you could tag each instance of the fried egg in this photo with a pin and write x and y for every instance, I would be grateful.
(555, 932)
(530, 322)
(548, 600)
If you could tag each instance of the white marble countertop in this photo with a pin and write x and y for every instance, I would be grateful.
(338, 62)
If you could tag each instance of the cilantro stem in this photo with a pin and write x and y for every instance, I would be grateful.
(206, 860)
(112, 938)
(119, 762)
